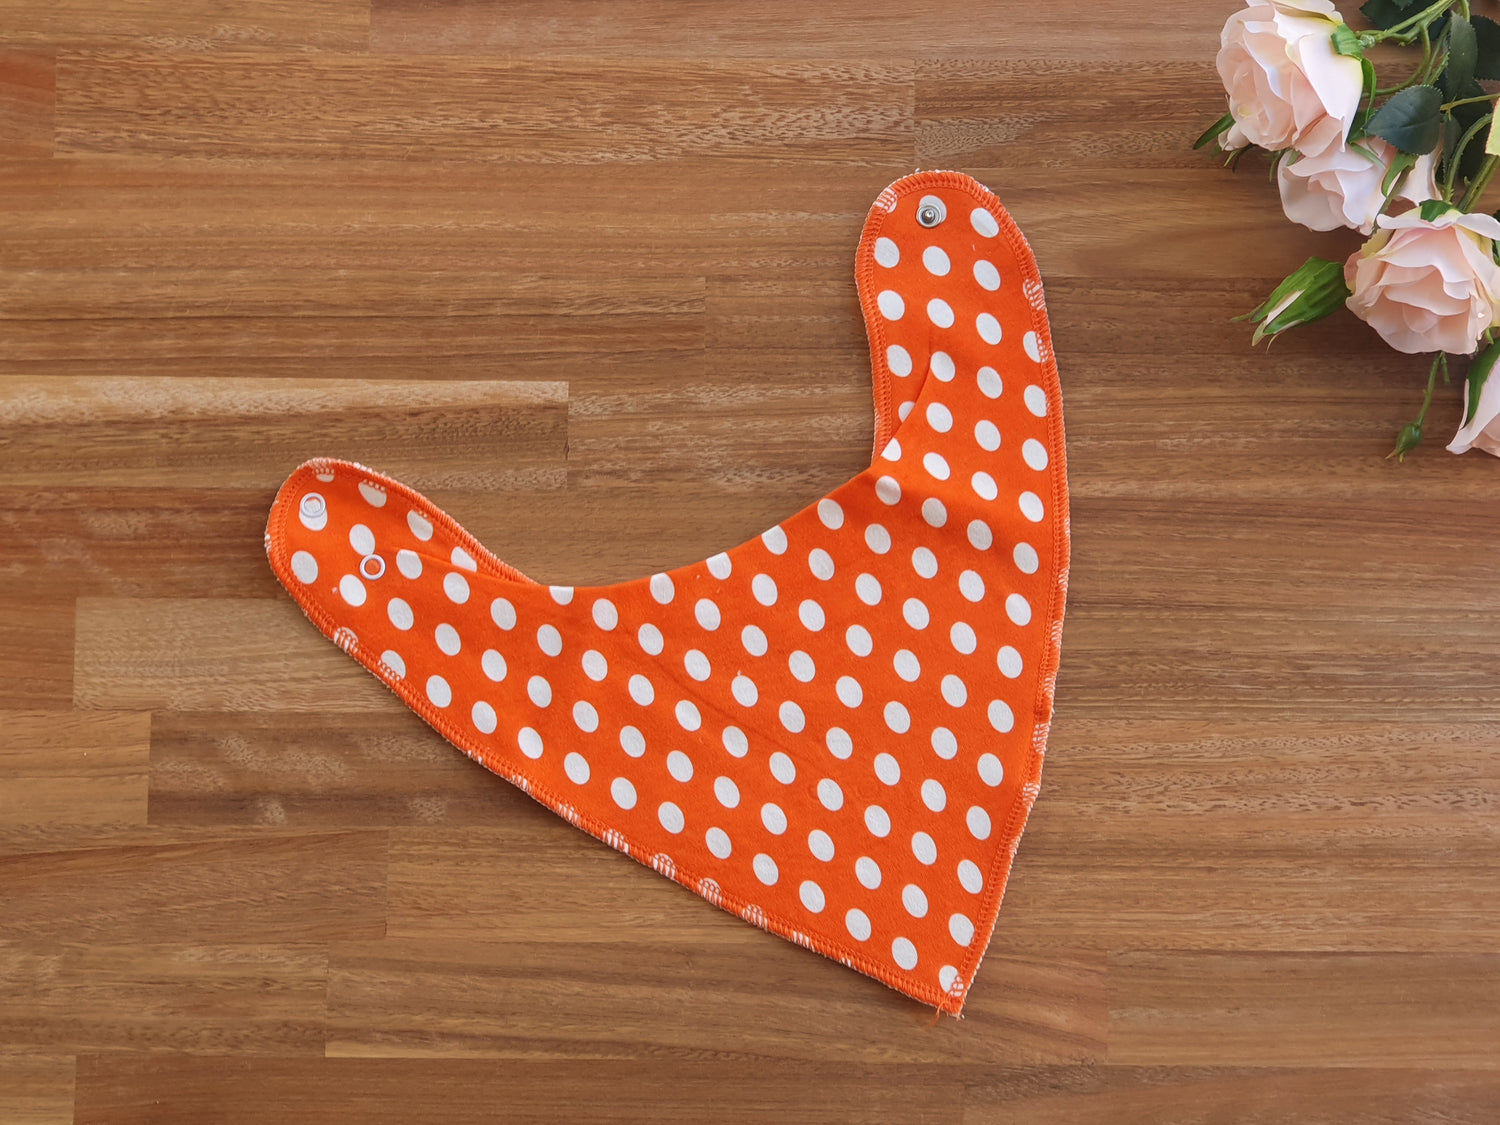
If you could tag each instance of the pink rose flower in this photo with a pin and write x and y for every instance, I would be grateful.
(1287, 86)
(1340, 186)
(1483, 430)
(1427, 285)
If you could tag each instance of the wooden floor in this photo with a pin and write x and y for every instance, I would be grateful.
(582, 272)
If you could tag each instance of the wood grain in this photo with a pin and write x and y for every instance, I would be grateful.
(582, 274)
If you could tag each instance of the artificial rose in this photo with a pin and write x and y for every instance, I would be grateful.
(1287, 86)
(1483, 430)
(1427, 285)
(1340, 186)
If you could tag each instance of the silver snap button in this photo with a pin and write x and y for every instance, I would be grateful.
(313, 505)
(372, 567)
(930, 211)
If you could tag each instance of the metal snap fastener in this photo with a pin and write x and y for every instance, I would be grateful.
(930, 211)
(313, 505)
(372, 567)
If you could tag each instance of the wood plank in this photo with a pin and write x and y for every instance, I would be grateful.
(124, 1089)
(77, 432)
(244, 999)
(196, 25)
(451, 997)
(182, 886)
(394, 107)
(1283, 1009)
(36, 650)
(74, 767)
(27, 95)
(36, 1089)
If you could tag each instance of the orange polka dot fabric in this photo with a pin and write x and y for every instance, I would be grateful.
(834, 730)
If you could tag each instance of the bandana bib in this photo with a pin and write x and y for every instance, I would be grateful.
(834, 730)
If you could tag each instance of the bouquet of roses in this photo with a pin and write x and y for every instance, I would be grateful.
(1405, 164)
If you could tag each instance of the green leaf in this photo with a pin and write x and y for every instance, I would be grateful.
(1452, 132)
(1384, 13)
(1479, 372)
(1215, 131)
(1463, 53)
(1410, 119)
(1487, 38)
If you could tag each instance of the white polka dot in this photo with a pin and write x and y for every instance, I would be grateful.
(897, 717)
(754, 640)
(775, 540)
(857, 922)
(892, 451)
(820, 562)
(374, 494)
(399, 612)
(867, 871)
(947, 978)
(820, 844)
(831, 796)
(1033, 348)
(924, 562)
(933, 795)
(530, 742)
(493, 665)
(849, 691)
(463, 560)
(867, 586)
(970, 877)
(936, 465)
(942, 367)
(904, 410)
(961, 929)
(984, 486)
(990, 383)
(1018, 609)
(585, 716)
(562, 595)
(305, 567)
(782, 768)
(933, 512)
(859, 641)
(963, 638)
(1034, 453)
(812, 896)
(393, 661)
(727, 792)
(944, 744)
(549, 640)
(680, 766)
(907, 666)
(886, 252)
(719, 566)
(898, 359)
(810, 613)
(887, 769)
(955, 693)
(987, 275)
(484, 717)
(650, 639)
(662, 588)
(980, 535)
(988, 328)
(877, 538)
(936, 261)
(971, 586)
(915, 900)
(641, 690)
(632, 741)
(979, 823)
(623, 792)
(420, 526)
(1026, 558)
(940, 312)
(447, 639)
(1031, 506)
(671, 817)
(718, 843)
(991, 772)
(438, 691)
(888, 490)
(914, 610)
(745, 693)
(831, 515)
(503, 614)
(735, 742)
(801, 665)
(697, 665)
(687, 715)
(352, 590)
(878, 821)
(839, 744)
(904, 953)
(765, 869)
(539, 690)
(595, 667)
(983, 222)
(605, 614)
(924, 848)
(1036, 400)
(1008, 658)
(1001, 717)
(707, 613)
(987, 434)
(409, 563)
(456, 586)
(792, 717)
(891, 306)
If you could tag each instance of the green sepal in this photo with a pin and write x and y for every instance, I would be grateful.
(1399, 165)
(1312, 291)
(1215, 131)
(1479, 372)
(1430, 210)
(1408, 439)
(1346, 42)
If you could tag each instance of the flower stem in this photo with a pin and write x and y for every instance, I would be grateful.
(1446, 106)
(1440, 361)
(1479, 182)
(1458, 154)
(1421, 19)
